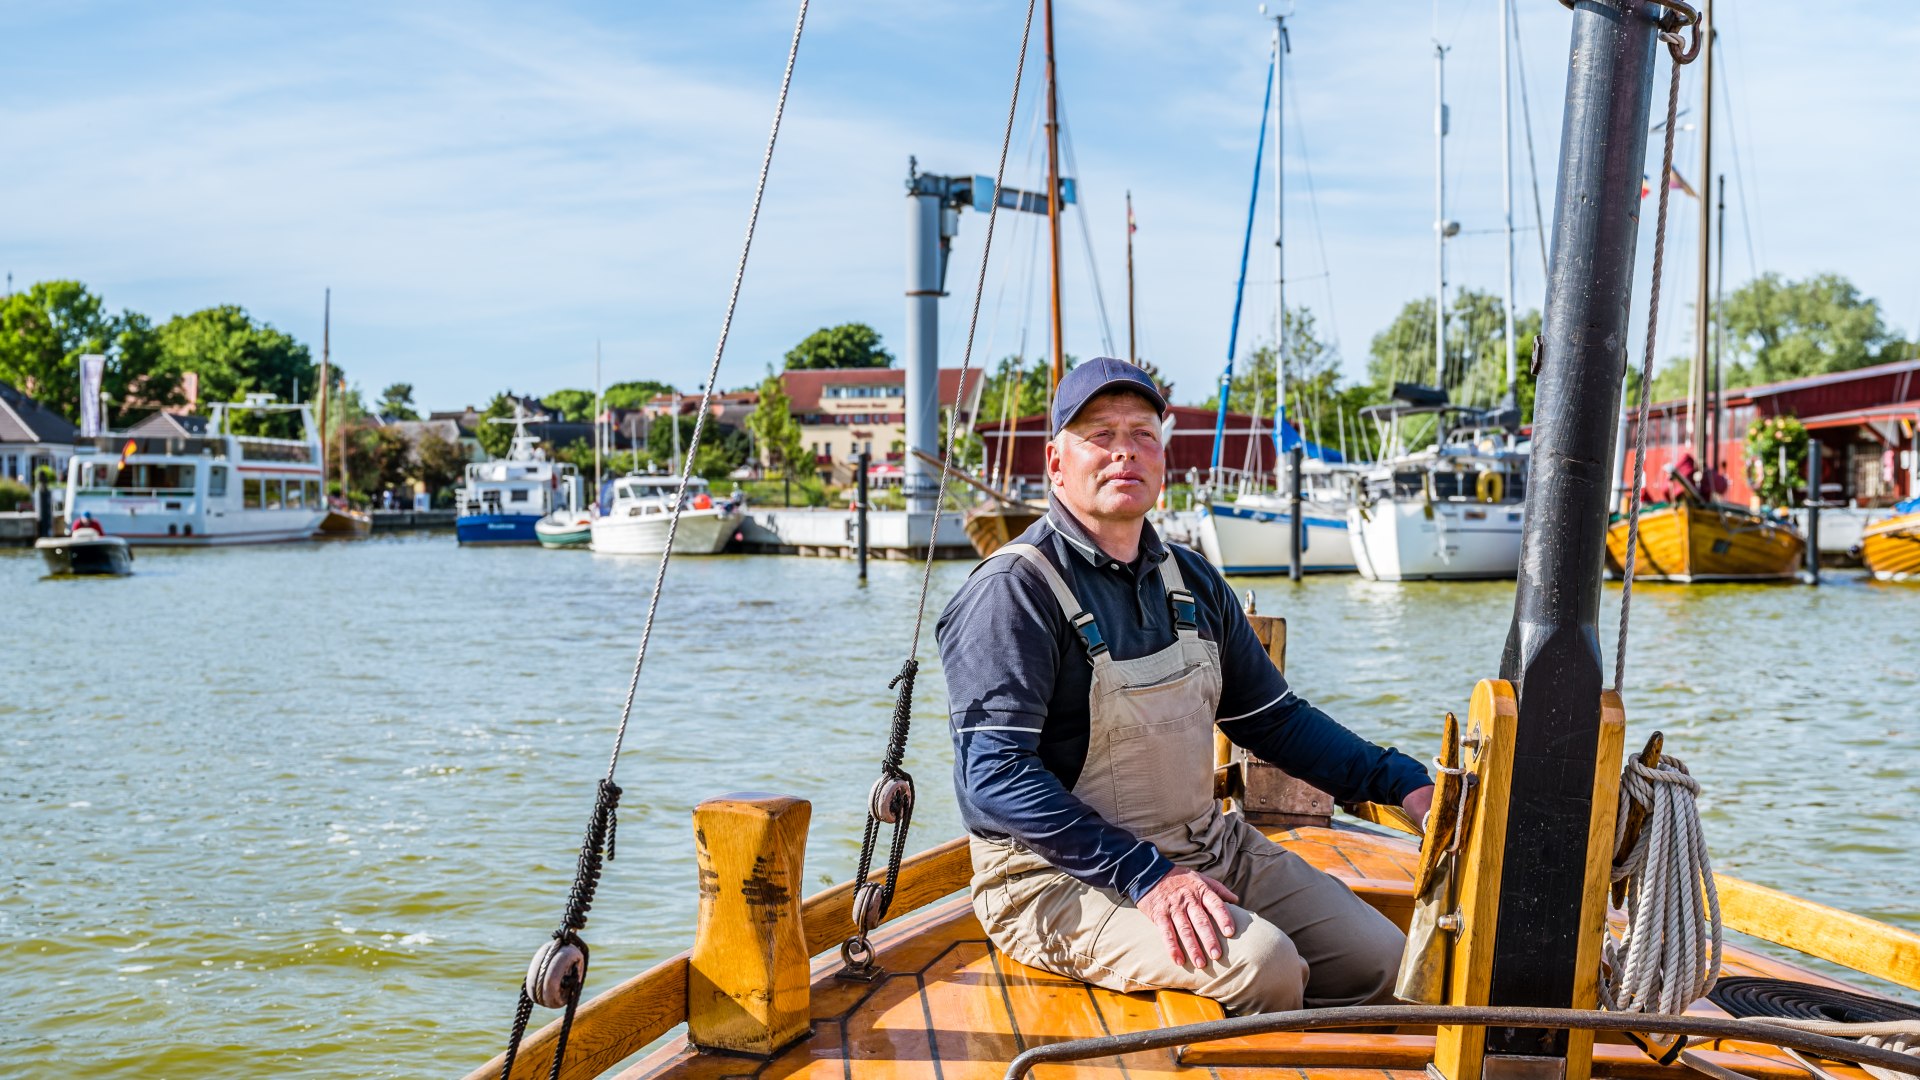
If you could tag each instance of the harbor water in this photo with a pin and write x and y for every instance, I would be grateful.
(305, 811)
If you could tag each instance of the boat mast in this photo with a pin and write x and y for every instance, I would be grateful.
(1280, 44)
(1506, 195)
(1053, 212)
(1440, 215)
(326, 373)
(1700, 395)
(1719, 316)
(1133, 352)
(1552, 656)
(599, 415)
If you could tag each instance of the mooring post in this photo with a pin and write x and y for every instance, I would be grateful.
(1813, 501)
(42, 507)
(1294, 458)
(1558, 836)
(747, 988)
(861, 512)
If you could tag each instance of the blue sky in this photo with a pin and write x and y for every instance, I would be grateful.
(490, 188)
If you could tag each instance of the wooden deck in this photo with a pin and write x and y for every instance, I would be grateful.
(952, 1007)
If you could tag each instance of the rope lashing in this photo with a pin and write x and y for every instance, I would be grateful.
(890, 801)
(1678, 15)
(558, 971)
(1669, 956)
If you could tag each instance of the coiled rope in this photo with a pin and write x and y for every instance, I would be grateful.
(559, 969)
(1669, 956)
(891, 799)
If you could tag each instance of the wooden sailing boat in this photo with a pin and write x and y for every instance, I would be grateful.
(999, 520)
(1506, 897)
(1696, 537)
(342, 521)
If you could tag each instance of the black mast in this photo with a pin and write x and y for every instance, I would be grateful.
(1553, 655)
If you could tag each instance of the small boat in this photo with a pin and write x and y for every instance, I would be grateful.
(503, 499)
(994, 525)
(569, 526)
(154, 486)
(1891, 548)
(1453, 511)
(344, 521)
(86, 554)
(636, 523)
(1687, 541)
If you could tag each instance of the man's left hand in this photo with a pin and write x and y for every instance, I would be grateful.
(1418, 804)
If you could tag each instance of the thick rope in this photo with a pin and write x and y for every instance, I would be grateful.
(1669, 956)
(706, 392)
(856, 950)
(1680, 59)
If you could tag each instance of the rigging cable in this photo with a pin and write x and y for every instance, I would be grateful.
(1533, 166)
(1739, 162)
(891, 799)
(559, 968)
(1086, 234)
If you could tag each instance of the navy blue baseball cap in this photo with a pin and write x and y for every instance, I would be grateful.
(1096, 376)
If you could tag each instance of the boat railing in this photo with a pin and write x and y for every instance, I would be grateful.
(134, 493)
(286, 450)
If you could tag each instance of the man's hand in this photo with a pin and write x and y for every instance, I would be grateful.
(1187, 906)
(1418, 804)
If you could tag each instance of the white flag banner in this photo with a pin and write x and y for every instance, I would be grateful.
(93, 368)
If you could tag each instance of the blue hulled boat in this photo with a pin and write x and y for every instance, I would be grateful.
(503, 499)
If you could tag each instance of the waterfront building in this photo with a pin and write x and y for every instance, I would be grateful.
(1864, 420)
(32, 435)
(1189, 447)
(844, 412)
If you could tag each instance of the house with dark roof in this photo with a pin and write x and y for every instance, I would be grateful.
(848, 411)
(32, 435)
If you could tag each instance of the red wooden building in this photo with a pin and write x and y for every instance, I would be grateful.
(1865, 421)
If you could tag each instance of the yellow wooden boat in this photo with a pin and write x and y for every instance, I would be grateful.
(992, 526)
(1687, 542)
(1891, 548)
(342, 522)
(1508, 897)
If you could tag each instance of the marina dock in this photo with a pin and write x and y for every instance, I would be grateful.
(891, 534)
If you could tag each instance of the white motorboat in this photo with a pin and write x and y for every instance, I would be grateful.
(200, 490)
(636, 523)
(568, 526)
(1452, 511)
(1253, 533)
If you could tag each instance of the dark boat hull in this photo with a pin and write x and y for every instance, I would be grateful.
(97, 556)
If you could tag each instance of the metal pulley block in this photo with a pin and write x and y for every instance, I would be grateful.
(557, 972)
(890, 799)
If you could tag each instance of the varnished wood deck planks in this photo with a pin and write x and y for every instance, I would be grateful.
(952, 1007)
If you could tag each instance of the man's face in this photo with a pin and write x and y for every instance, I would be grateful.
(1109, 464)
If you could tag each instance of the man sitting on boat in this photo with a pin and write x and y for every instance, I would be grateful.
(1087, 665)
(86, 525)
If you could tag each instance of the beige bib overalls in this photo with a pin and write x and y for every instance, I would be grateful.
(1149, 770)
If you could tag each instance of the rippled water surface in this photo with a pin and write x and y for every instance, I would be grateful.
(305, 811)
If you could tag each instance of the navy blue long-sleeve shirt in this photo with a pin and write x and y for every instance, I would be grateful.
(1018, 679)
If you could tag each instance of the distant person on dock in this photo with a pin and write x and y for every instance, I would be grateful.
(1087, 664)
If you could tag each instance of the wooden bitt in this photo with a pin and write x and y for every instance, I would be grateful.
(1493, 714)
(1268, 795)
(747, 981)
(1636, 815)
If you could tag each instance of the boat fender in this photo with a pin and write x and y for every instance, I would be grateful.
(558, 970)
(1491, 487)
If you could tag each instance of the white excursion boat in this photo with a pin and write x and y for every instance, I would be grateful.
(200, 490)
(1452, 511)
(636, 523)
(1253, 533)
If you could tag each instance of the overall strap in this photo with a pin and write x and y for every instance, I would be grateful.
(1079, 617)
(1186, 612)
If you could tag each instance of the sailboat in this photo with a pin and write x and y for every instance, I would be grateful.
(1508, 894)
(1691, 534)
(1252, 532)
(1891, 546)
(998, 520)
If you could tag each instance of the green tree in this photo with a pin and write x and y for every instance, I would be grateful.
(234, 356)
(437, 462)
(1476, 355)
(44, 331)
(1789, 329)
(849, 345)
(396, 402)
(632, 395)
(574, 405)
(1768, 440)
(377, 457)
(495, 439)
(778, 434)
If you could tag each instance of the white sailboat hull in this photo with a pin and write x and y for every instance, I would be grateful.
(1243, 539)
(701, 532)
(1397, 540)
